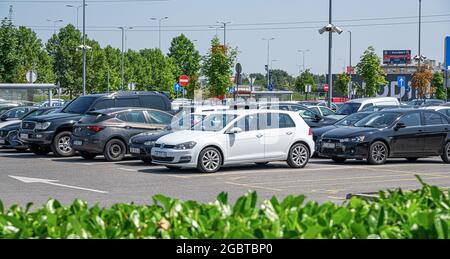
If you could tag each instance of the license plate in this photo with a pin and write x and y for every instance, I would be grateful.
(160, 154)
(329, 145)
(77, 142)
(2, 141)
(135, 150)
(23, 136)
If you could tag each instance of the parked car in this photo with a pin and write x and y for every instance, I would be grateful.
(108, 131)
(377, 108)
(425, 102)
(357, 105)
(55, 103)
(141, 145)
(347, 121)
(313, 119)
(442, 109)
(177, 103)
(189, 109)
(314, 103)
(321, 110)
(236, 137)
(9, 134)
(14, 114)
(4, 107)
(53, 132)
(401, 133)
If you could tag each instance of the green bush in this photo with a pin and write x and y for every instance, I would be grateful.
(422, 213)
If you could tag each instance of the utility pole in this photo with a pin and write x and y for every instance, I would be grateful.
(350, 84)
(224, 24)
(76, 7)
(159, 27)
(268, 59)
(302, 51)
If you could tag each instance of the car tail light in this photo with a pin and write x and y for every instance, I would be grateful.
(310, 132)
(95, 128)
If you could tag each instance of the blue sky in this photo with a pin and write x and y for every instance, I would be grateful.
(248, 38)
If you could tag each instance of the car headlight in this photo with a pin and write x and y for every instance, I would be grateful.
(354, 139)
(186, 145)
(149, 143)
(42, 125)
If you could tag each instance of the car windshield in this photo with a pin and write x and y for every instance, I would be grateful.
(348, 108)
(186, 122)
(378, 120)
(79, 105)
(33, 113)
(214, 122)
(350, 120)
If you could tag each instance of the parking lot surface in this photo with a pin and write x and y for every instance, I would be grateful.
(25, 177)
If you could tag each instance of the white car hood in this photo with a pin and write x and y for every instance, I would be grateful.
(184, 136)
(7, 123)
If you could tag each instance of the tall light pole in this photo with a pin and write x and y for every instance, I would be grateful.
(303, 51)
(419, 58)
(216, 28)
(350, 84)
(224, 25)
(54, 24)
(122, 62)
(76, 7)
(330, 28)
(159, 26)
(268, 59)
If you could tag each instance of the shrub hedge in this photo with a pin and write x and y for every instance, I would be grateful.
(422, 213)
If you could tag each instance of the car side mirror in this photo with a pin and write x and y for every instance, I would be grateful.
(4, 117)
(399, 126)
(234, 130)
(317, 117)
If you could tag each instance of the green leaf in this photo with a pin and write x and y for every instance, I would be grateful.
(342, 216)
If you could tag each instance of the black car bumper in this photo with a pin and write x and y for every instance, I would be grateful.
(346, 150)
(90, 145)
(140, 150)
(43, 138)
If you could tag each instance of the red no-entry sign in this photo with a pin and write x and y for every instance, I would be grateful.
(325, 87)
(184, 80)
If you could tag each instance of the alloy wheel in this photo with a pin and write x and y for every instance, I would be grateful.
(299, 155)
(115, 150)
(211, 160)
(379, 152)
(64, 144)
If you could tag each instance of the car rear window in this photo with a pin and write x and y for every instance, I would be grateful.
(80, 105)
(154, 102)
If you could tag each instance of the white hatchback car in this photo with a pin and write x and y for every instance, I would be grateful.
(236, 137)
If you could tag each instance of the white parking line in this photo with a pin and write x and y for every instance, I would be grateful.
(254, 186)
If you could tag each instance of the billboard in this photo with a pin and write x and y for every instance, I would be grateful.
(396, 57)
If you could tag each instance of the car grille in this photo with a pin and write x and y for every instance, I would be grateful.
(28, 125)
(164, 146)
(162, 159)
(329, 140)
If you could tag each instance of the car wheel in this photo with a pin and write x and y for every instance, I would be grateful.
(87, 155)
(261, 163)
(146, 160)
(209, 160)
(62, 145)
(412, 159)
(446, 154)
(115, 150)
(39, 150)
(339, 159)
(298, 156)
(378, 153)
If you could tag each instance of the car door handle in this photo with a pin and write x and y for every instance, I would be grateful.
(259, 135)
(289, 133)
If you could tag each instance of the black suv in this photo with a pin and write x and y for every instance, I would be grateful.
(54, 132)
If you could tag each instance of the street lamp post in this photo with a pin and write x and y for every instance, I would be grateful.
(350, 84)
(330, 28)
(159, 27)
(122, 61)
(224, 26)
(54, 24)
(303, 57)
(77, 7)
(271, 68)
(268, 59)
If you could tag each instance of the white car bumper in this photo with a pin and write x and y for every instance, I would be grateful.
(175, 157)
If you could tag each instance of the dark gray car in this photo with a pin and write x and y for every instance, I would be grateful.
(108, 131)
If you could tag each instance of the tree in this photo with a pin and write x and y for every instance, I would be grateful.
(187, 60)
(217, 67)
(260, 79)
(437, 83)
(342, 82)
(64, 49)
(9, 58)
(421, 81)
(281, 79)
(305, 78)
(369, 69)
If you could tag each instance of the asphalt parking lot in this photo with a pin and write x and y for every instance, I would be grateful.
(25, 177)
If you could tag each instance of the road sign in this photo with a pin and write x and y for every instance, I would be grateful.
(325, 87)
(31, 76)
(176, 88)
(401, 81)
(231, 89)
(308, 88)
(270, 87)
(238, 68)
(184, 80)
